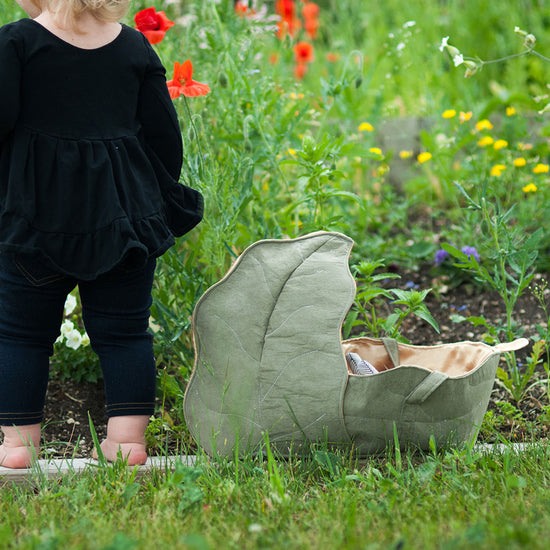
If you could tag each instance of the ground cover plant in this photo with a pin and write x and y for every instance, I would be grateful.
(443, 500)
(360, 120)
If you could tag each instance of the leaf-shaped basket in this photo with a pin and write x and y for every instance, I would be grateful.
(268, 347)
(269, 358)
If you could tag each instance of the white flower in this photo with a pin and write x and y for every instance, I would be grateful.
(458, 59)
(409, 24)
(443, 43)
(66, 328)
(85, 339)
(70, 304)
(187, 20)
(74, 339)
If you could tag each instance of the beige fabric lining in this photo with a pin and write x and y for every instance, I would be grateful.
(455, 359)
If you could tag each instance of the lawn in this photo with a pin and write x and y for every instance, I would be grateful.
(418, 129)
(458, 499)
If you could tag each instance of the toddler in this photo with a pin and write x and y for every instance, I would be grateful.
(90, 157)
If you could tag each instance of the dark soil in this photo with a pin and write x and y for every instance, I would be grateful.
(67, 433)
(66, 430)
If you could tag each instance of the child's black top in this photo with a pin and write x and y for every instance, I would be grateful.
(90, 152)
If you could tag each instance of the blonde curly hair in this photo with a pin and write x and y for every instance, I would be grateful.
(68, 11)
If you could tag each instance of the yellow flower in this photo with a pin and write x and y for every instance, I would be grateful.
(531, 188)
(520, 161)
(484, 125)
(449, 113)
(365, 127)
(510, 111)
(375, 150)
(424, 157)
(292, 152)
(500, 143)
(497, 170)
(382, 169)
(541, 168)
(405, 154)
(486, 140)
(464, 117)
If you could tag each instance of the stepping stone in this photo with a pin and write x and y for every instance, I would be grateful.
(56, 468)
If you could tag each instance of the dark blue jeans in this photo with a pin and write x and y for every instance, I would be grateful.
(115, 309)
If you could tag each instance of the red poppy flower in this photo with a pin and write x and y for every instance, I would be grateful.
(290, 26)
(153, 24)
(310, 10)
(183, 83)
(289, 22)
(285, 8)
(311, 26)
(303, 52)
(242, 9)
(300, 69)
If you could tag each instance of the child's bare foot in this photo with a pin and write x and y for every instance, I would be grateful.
(20, 445)
(126, 438)
(131, 452)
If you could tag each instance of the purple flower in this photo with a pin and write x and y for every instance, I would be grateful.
(470, 251)
(440, 256)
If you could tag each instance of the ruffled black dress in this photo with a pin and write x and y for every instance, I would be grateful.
(90, 152)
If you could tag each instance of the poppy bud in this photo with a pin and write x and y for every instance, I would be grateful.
(247, 145)
(191, 133)
(359, 81)
(223, 80)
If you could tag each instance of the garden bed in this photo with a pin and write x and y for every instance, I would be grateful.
(67, 431)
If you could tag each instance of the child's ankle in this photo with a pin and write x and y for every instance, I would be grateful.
(20, 446)
(126, 439)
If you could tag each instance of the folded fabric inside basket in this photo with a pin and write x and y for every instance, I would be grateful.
(359, 366)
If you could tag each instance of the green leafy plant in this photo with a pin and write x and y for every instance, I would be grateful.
(517, 380)
(317, 190)
(511, 254)
(371, 298)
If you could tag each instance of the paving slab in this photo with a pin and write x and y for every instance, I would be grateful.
(56, 468)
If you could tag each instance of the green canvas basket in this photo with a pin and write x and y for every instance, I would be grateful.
(269, 359)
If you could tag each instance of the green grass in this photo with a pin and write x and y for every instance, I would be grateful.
(278, 157)
(447, 500)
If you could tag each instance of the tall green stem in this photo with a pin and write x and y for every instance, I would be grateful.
(197, 137)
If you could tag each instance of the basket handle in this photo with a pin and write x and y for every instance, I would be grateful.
(393, 350)
(426, 388)
(511, 346)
